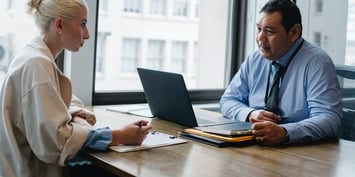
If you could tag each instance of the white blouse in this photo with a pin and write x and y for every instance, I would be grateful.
(36, 135)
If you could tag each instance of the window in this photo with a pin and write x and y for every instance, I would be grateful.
(132, 6)
(103, 6)
(350, 46)
(350, 40)
(4, 53)
(317, 38)
(178, 56)
(194, 59)
(200, 35)
(180, 8)
(130, 55)
(197, 8)
(155, 59)
(159, 43)
(100, 54)
(12, 36)
(157, 7)
(319, 7)
(10, 4)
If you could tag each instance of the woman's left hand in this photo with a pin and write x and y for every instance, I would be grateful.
(86, 115)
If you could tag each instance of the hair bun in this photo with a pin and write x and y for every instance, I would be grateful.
(33, 5)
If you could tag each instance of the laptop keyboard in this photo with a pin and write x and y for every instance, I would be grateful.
(204, 121)
(213, 109)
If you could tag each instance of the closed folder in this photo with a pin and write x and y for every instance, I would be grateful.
(219, 137)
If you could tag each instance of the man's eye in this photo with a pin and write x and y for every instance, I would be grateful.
(269, 32)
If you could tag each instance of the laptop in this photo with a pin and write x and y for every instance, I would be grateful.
(168, 99)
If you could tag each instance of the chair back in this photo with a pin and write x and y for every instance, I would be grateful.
(346, 77)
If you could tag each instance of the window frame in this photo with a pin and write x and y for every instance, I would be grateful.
(83, 80)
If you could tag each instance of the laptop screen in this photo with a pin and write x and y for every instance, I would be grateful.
(167, 96)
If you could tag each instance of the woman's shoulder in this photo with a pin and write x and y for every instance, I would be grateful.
(32, 61)
(34, 55)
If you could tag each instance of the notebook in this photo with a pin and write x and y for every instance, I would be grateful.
(232, 129)
(168, 99)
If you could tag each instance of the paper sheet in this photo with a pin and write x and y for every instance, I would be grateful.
(153, 140)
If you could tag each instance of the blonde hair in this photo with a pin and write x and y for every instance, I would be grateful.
(45, 11)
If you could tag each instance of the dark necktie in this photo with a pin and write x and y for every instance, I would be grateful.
(272, 99)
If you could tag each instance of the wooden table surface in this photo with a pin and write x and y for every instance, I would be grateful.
(333, 158)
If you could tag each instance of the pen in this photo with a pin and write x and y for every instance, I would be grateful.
(140, 124)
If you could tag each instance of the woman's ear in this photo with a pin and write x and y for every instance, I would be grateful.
(58, 25)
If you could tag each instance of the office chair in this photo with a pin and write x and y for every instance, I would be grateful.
(346, 76)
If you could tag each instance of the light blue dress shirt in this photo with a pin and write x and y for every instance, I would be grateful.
(97, 139)
(309, 96)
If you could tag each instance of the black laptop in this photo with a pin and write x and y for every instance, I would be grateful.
(168, 99)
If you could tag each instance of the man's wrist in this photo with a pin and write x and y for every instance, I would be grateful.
(247, 119)
(287, 136)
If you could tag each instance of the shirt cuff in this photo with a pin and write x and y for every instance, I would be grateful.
(292, 132)
(98, 139)
(243, 115)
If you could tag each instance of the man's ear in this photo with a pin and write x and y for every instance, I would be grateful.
(295, 32)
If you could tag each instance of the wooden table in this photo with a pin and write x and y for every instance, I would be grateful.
(334, 158)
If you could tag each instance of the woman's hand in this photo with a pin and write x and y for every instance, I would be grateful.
(86, 115)
(131, 134)
(82, 122)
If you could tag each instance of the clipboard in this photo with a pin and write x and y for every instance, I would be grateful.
(153, 140)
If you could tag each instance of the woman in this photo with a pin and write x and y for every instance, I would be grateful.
(42, 126)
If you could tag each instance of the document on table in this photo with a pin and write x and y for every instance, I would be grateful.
(153, 140)
(135, 109)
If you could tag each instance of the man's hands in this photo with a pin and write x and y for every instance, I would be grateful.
(268, 133)
(265, 128)
(263, 115)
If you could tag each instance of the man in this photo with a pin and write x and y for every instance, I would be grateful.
(304, 104)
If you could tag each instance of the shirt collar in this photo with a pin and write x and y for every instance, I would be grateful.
(285, 58)
(39, 44)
